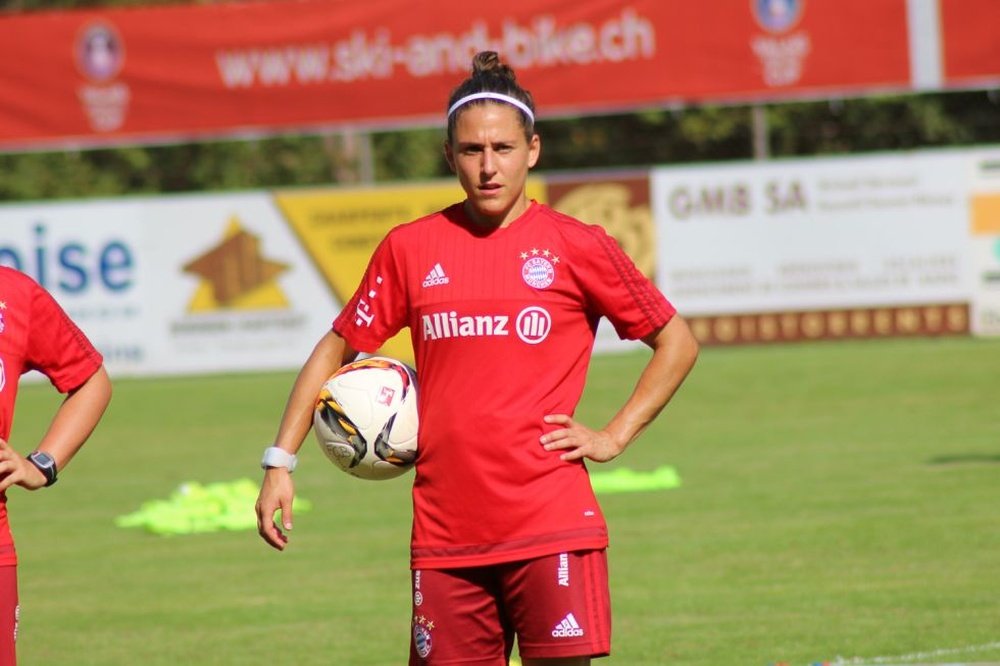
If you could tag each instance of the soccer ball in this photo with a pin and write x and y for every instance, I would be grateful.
(366, 418)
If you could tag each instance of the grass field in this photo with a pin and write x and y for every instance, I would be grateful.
(840, 502)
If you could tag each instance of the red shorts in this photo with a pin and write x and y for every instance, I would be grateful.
(9, 611)
(556, 606)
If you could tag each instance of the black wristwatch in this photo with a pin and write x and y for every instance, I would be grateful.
(46, 464)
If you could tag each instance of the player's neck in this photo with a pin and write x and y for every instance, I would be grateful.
(487, 222)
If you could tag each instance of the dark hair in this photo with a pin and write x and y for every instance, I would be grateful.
(491, 75)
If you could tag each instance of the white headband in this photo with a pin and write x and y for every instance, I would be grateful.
(492, 95)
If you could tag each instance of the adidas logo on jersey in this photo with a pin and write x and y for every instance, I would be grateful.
(435, 277)
(568, 627)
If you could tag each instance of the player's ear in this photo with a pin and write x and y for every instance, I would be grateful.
(449, 156)
(534, 150)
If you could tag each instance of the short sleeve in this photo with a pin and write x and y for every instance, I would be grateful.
(617, 290)
(56, 346)
(378, 309)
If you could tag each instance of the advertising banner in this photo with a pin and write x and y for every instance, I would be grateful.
(838, 247)
(89, 255)
(970, 43)
(98, 77)
(234, 282)
(176, 285)
(984, 228)
(619, 202)
(340, 228)
(860, 246)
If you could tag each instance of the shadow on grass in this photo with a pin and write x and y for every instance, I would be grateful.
(966, 459)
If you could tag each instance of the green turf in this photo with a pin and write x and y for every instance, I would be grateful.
(837, 500)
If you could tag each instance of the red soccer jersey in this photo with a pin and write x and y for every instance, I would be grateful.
(35, 334)
(503, 325)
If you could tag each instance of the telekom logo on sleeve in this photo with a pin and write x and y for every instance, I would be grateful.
(363, 315)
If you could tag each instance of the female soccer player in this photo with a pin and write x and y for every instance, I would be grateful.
(502, 296)
(35, 334)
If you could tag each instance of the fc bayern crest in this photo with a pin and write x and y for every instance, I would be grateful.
(422, 640)
(538, 270)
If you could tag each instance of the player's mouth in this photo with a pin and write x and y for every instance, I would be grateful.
(490, 189)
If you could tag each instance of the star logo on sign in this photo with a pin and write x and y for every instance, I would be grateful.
(235, 273)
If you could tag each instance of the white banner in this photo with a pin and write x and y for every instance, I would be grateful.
(879, 245)
(984, 227)
(813, 234)
(168, 285)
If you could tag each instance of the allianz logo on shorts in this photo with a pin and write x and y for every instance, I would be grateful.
(532, 325)
(568, 627)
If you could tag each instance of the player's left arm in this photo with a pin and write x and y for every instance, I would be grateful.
(70, 428)
(674, 353)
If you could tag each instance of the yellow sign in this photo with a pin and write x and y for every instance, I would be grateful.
(340, 228)
(986, 214)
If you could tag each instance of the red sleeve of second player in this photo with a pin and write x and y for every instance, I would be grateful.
(378, 309)
(617, 290)
(57, 347)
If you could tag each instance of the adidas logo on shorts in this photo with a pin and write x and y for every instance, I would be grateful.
(568, 627)
(435, 277)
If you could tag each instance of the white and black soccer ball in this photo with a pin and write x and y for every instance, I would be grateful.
(366, 418)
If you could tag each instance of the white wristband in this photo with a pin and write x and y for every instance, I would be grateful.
(277, 457)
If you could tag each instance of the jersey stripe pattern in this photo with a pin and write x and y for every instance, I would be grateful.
(502, 324)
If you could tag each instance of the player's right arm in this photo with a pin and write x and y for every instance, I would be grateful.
(69, 429)
(277, 488)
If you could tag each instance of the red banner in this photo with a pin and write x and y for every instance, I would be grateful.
(970, 36)
(192, 71)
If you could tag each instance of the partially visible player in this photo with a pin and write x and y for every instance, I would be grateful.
(502, 296)
(36, 334)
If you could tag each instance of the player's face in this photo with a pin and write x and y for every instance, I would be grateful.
(491, 156)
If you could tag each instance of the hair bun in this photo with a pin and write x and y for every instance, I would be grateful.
(487, 63)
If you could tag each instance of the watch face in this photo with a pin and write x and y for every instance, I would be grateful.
(42, 459)
(46, 464)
